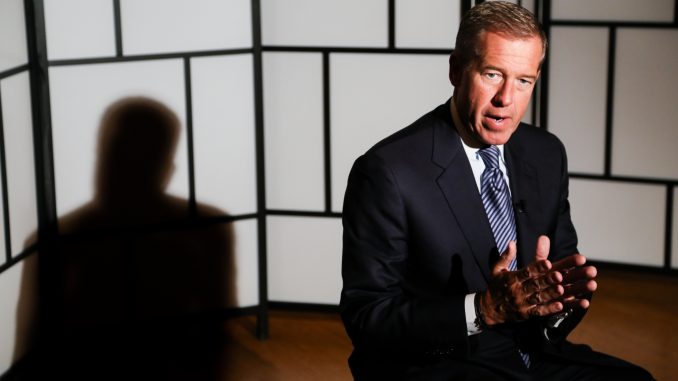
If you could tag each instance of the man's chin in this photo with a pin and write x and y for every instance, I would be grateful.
(494, 138)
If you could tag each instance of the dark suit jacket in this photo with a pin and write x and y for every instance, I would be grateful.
(417, 240)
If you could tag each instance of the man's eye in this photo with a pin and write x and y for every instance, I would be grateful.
(524, 83)
(492, 75)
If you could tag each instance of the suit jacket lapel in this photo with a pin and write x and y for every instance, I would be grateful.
(457, 183)
(525, 193)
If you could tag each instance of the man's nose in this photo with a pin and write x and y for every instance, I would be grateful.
(504, 95)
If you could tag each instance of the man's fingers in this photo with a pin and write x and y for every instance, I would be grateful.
(576, 260)
(543, 248)
(545, 309)
(538, 283)
(551, 293)
(580, 288)
(505, 259)
(535, 270)
(574, 303)
(580, 273)
(547, 295)
(541, 288)
(547, 280)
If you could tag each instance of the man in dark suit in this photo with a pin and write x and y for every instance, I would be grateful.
(460, 259)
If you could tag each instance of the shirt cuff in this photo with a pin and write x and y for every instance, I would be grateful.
(469, 308)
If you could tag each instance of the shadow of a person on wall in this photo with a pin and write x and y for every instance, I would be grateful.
(142, 277)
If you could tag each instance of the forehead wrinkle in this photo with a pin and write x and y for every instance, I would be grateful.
(507, 53)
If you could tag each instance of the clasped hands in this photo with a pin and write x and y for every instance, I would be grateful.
(541, 288)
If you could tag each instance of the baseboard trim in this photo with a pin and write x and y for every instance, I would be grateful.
(304, 307)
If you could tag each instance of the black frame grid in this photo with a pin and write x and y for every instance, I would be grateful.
(38, 67)
(608, 176)
(390, 48)
(32, 69)
(326, 52)
(5, 198)
(542, 8)
(262, 313)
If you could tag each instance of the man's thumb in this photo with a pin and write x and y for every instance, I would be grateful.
(543, 248)
(505, 259)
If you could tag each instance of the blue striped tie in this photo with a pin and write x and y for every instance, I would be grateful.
(499, 208)
(497, 201)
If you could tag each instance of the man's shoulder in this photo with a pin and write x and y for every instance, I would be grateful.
(535, 138)
(537, 146)
(414, 137)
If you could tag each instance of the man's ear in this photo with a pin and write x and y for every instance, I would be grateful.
(455, 69)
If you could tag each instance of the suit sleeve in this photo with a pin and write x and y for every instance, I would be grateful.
(565, 237)
(376, 306)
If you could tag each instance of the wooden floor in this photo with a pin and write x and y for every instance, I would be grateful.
(302, 346)
(633, 316)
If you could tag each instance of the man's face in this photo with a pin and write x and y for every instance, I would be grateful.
(492, 93)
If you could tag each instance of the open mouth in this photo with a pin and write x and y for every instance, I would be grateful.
(497, 122)
(496, 118)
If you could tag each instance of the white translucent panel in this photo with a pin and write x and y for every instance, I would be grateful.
(578, 94)
(293, 120)
(19, 162)
(613, 10)
(619, 222)
(426, 24)
(304, 259)
(89, 34)
(325, 22)
(374, 95)
(645, 128)
(529, 5)
(247, 262)
(159, 26)
(223, 132)
(12, 345)
(79, 95)
(13, 48)
(674, 240)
